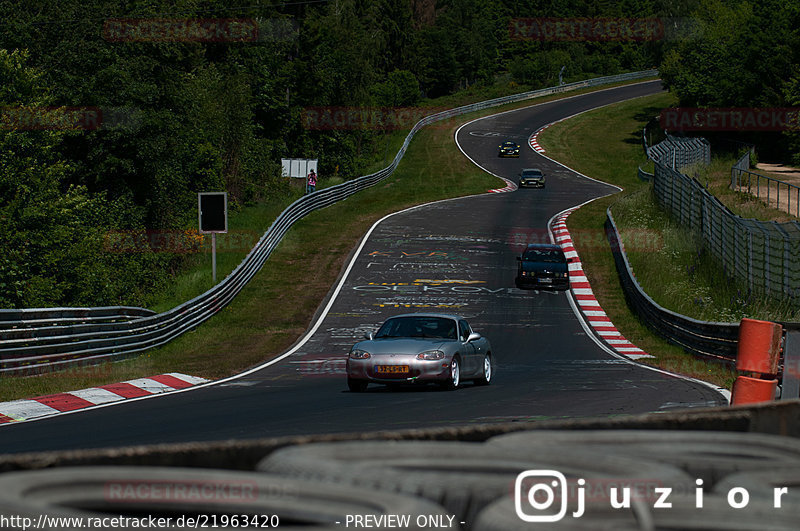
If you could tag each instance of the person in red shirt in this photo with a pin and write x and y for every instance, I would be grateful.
(311, 183)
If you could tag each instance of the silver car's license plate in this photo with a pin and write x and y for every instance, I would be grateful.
(391, 369)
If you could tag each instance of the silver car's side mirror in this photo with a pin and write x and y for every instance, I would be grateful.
(474, 336)
(369, 335)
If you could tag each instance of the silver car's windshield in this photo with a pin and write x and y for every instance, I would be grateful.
(433, 327)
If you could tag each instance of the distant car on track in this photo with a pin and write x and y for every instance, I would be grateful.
(508, 149)
(421, 348)
(531, 177)
(543, 266)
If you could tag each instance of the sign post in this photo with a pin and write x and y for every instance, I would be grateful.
(212, 209)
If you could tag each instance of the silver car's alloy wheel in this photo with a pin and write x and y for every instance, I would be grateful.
(486, 377)
(454, 379)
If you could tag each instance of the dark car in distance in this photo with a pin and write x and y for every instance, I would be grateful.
(531, 177)
(543, 266)
(508, 149)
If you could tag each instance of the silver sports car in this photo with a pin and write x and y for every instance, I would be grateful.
(421, 347)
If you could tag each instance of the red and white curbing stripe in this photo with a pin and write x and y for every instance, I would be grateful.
(42, 406)
(584, 296)
(509, 187)
(534, 139)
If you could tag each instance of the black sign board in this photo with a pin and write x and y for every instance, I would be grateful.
(213, 210)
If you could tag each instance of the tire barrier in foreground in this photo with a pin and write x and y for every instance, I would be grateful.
(709, 455)
(33, 350)
(201, 498)
(488, 485)
(762, 483)
(644, 452)
(462, 477)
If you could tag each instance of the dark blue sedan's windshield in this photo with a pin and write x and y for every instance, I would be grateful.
(434, 327)
(543, 255)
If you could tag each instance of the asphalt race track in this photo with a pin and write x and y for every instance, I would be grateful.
(452, 256)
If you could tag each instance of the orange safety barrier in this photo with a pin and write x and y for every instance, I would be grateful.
(753, 390)
(759, 347)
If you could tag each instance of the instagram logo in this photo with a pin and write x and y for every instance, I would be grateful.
(536, 492)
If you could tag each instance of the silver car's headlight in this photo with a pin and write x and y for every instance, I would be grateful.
(431, 355)
(357, 354)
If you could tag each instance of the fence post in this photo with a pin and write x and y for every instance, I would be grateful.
(750, 257)
(790, 386)
(767, 261)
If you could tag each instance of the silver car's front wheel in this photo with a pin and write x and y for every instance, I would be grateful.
(488, 371)
(454, 378)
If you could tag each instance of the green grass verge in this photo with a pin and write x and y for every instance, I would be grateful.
(279, 303)
(606, 144)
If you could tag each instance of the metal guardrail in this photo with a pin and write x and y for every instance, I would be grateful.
(740, 165)
(769, 191)
(43, 317)
(644, 175)
(38, 349)
(711, 340)
(677, 152)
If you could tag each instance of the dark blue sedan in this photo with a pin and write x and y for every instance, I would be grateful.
(542, 266)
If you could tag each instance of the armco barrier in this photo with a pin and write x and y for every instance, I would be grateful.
(644, 175)
(707, 339)
(52, 347)
(43, 317)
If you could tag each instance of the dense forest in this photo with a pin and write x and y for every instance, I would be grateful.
(741, 54)
(158, 109)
